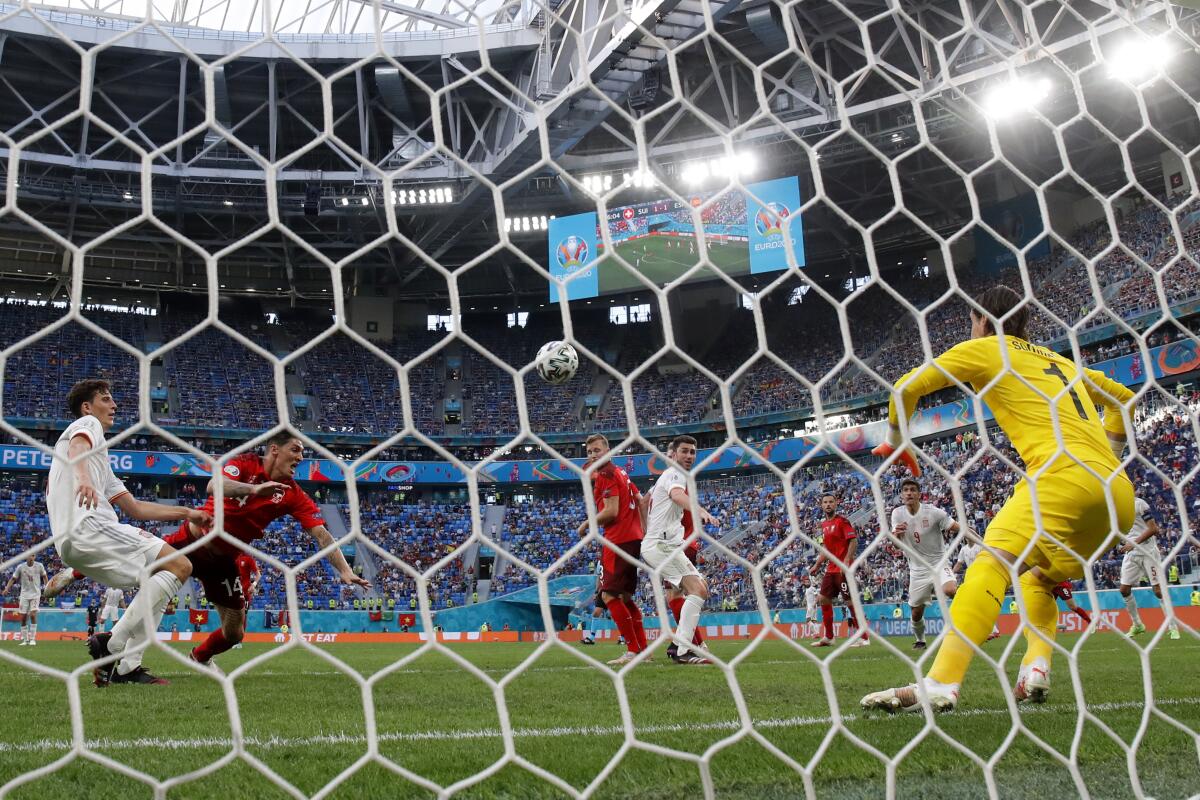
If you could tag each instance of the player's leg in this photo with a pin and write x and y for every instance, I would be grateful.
(61, 580)
(24, 609)
(1152, 575)
(920, 591)
(1131, 577)
(627, 581)
(135, 630)
(611, 584)
(825, 603)
(859, 631)
(33, 615)
(697, 593)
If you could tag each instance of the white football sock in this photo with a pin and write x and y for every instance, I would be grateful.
(24, 633)
(33, 633)
(919, 629)
(688, 618)
(129, 634)
(1131, 607)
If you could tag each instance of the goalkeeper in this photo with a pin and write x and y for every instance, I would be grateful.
(1082, 495)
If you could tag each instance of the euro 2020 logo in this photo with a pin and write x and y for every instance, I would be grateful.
(769, 220)
(572, 253)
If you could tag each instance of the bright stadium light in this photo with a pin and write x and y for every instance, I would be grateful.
(345, 201)
(365, 201)
(1138, 59)
(1015, 96)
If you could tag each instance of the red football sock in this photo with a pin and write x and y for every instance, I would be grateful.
(1083, 615)
(676, 607)
(620, 615)
(639, 630)
(827, 620)
(215, 644)
(76, 575)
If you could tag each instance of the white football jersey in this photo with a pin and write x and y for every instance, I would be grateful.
(113, 598)
(810, 596)
(64, 511)
(1141, 513)
(924, 532)
(31, 579)
(665, 521)
(968, 553)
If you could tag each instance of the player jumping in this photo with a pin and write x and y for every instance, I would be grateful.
(1142, 560)
(925, 526)
(664, 544)
(620, 512)
(82, 493)
(32, 575)
(258, 490)
(1036, 396)
(841, 543)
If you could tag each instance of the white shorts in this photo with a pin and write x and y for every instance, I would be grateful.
(114, 555)
(27, 604)
(1138, 564)
(675, 565)
(921, 590)
(109, 612)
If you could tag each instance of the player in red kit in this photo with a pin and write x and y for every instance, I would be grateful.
(621, 512)
(841, 542)
(1064, 592)
(258, 490)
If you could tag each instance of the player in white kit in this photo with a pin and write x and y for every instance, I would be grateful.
(114, 601)
(971, 548)
(1142, 560)
(924, 527)
(812, 626)
(662, 548)
(32, 575)
(90, 538)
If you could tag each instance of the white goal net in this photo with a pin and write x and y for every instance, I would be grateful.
(791, 206)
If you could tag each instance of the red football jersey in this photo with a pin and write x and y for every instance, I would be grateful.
(688, 528)
(611, 481)
(247, 518)
(837, 533)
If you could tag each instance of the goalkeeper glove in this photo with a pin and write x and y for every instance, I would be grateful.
(905, 458)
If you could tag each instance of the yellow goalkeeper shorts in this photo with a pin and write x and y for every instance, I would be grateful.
(1073, 508)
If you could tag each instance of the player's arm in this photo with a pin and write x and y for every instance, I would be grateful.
(158, 512)
(961, 363)
(898, 528)
(1114, 396)
(8, 586)
(234, 488)
(644, 510)
(1152, 529)
(607, 515)
(324, 539)
(679, 497)
(85, 493)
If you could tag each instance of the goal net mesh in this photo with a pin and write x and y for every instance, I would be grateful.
(1001, 142)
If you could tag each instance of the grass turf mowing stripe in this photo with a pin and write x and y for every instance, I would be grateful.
(524, 733)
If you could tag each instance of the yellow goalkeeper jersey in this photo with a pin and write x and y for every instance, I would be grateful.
(1022, 398)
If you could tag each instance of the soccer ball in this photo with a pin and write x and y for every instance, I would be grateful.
(557, 362)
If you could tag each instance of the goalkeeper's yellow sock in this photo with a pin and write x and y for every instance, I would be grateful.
(973, 611)
(1042, 615)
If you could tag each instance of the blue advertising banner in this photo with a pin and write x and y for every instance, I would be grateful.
(1173, 359)
(775, 211)
(1019, 222)
(573, 248)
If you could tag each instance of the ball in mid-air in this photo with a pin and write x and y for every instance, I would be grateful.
(557, 362)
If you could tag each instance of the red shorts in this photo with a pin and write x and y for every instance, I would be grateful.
(693, 555)
(1062, 591)
(834, 584)
(618, 576)
(228, 580)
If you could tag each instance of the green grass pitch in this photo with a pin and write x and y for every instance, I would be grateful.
(662, 260)
(304, 718)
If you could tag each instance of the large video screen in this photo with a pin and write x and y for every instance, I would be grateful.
(743, 235)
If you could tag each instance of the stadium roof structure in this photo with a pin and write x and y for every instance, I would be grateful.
(530, 97)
